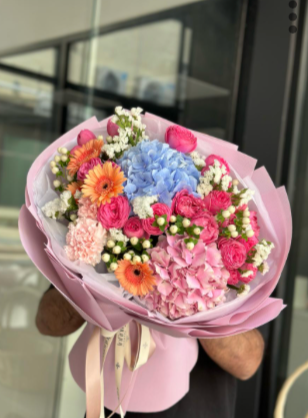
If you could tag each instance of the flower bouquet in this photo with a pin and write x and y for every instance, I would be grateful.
(145, 224)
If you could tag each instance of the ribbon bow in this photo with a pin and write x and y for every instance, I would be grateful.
(123, 350)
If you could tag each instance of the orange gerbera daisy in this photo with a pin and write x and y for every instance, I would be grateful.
(103, 182)
(73, 187)
(91, 149)
(136, 278)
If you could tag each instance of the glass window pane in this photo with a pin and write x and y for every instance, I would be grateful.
(40, 62)
(141, 62)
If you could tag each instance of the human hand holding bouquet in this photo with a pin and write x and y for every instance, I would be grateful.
(163, 224)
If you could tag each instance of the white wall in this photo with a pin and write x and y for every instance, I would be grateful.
(24, 22)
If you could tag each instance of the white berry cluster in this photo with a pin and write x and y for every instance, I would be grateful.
(263, 250)
(57, 166)
(142, 206)
(215, 175)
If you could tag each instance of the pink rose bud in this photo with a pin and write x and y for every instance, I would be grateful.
(133, 228)
(112, 128)
(74, 149)
(180, 138)
(85, 136)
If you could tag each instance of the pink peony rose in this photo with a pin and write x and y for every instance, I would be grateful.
(234, 277)
(216, 201)
(86, 167)
(233, 253)
(87, 209)
(187, 205)
(253, 270)
(180, 138)
(158, 209)
(85, 241)
(251, 242)
(112, 128)
(254, 223)
(211, 230)
(85, 136)
(115, 213)
(187, 281)
(133, 228)
(210, 161)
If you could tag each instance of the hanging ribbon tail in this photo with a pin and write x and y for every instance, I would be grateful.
(134, 359)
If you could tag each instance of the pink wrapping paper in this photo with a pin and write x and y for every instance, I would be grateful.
(110, 310)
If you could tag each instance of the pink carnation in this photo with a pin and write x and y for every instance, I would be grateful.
(211, 160)
(233, 253)
(211, 230)
(85, 241)
(112, 128)
(159, 209)
(87, 209)
(187, 281)
(180, 138)
(86, 167)
(187, 205)
(115, 213)
(134, 228)
(216, 201)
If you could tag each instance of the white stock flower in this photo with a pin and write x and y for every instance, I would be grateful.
(54, 209)
(117, 235)
(142, 206)
(65, 197)
(245, 291)
(246, 197)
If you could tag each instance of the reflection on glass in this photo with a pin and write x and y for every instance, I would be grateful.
(142, 62)
(40, 62)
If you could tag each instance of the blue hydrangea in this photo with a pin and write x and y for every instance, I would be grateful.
(153, 168)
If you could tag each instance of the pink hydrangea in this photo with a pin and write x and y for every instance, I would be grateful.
(187, 281)
(87, 209)
(85, 241)
(86, 167)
